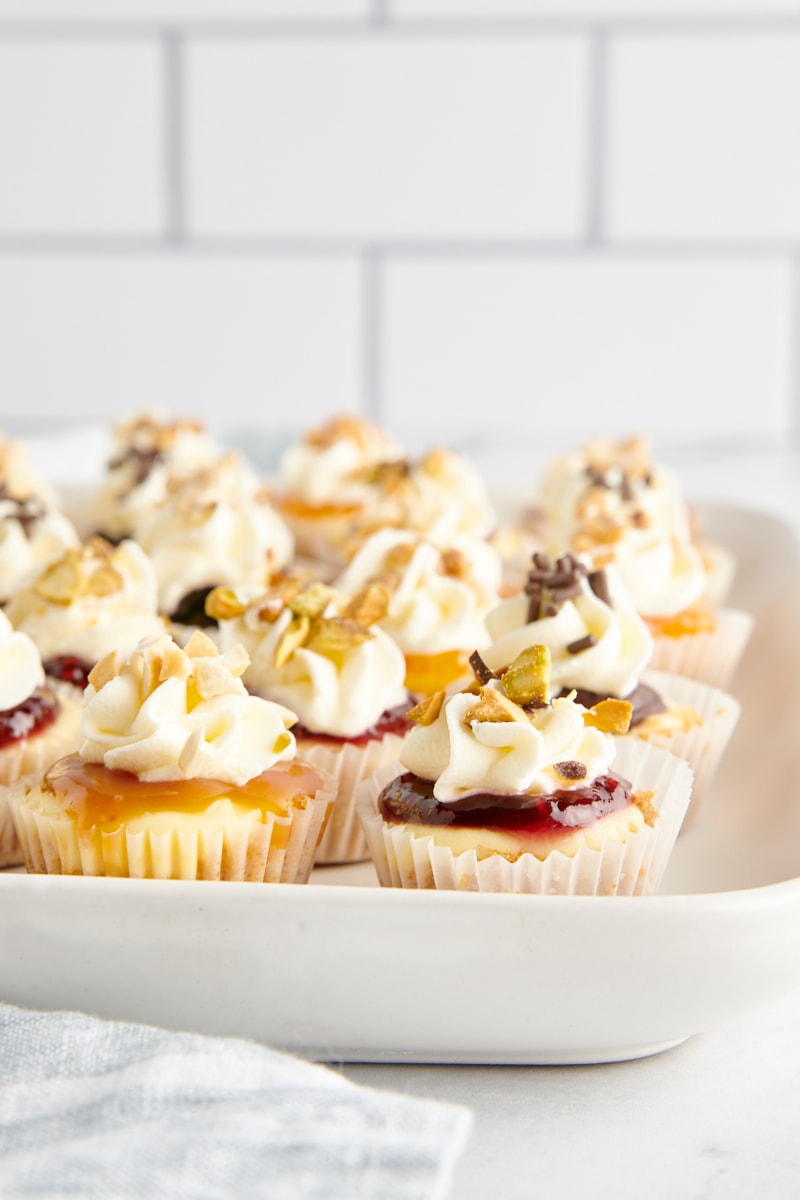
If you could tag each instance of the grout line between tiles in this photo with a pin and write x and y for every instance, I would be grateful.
(372, 317)
(596, 137)
(434, 249)
(174, 139)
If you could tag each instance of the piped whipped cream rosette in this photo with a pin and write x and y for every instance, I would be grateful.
(150, 450)
(501, 788)
(213, 528)
(38, 724)
(350, 477)
(438, 598)
(181, 774)
(618, 480)
(329, 662)
(32, 535)
(666, 579)
(19, 476)
(328, 479)
(600, 647)
(94, 599)
(621, 483)
(441, 494)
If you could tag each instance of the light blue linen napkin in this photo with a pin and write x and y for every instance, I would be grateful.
(92, 1108)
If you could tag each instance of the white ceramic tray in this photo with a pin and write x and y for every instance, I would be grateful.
(342, 970)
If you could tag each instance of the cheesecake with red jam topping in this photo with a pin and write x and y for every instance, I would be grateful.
(502, 788)
(39, 722)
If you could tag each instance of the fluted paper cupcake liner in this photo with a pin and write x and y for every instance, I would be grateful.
(29, 758)
(633, 867)
(704, 743)
(710, 657)
(280, 849)
(346, 765)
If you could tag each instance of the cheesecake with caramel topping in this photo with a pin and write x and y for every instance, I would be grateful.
(180, 774)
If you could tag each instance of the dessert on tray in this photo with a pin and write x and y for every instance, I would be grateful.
(39, 722)
(213, 527)
(150, 450)
(602, 648)
(438, 596)
(180, 774)
(94, 599)
(501, 788)
(327, 481)
(331, 664)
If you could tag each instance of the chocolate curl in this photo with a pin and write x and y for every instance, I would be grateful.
(549, 585)
(598, 582)
(482, 673)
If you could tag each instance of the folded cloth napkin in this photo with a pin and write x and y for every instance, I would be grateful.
(100, 1108)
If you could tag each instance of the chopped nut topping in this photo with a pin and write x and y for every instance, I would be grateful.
(527, 679)
(294, 635)
(494, 706)
(334, 636)
(200, 645)
(610, 716)
(62, 581)
(644, 802)
(371, 604)
(455, 564)
(311, 601)
(223, 604)
(427, 711)
(106, 669)
(571, 770)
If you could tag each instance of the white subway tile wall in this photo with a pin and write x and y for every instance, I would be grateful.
(460, 217)
(369, 137)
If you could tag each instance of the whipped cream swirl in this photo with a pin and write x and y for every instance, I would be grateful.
(464, 755)
(164, 713)
(439, 597)
(94, 599)
(21, 670)
(331, 465)
(32, 535)
(611, 644)
(339, 681)
(214, 528)
(664, 574)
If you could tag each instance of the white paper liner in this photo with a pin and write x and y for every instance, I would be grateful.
(710, 657)
(346, 765)
(702, 745)
(280, 850)
(630, 868)
(30, 758)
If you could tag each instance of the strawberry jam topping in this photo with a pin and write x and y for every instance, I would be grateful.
(31, 717)
(69, 669)
(409, 800)
(393, 720)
